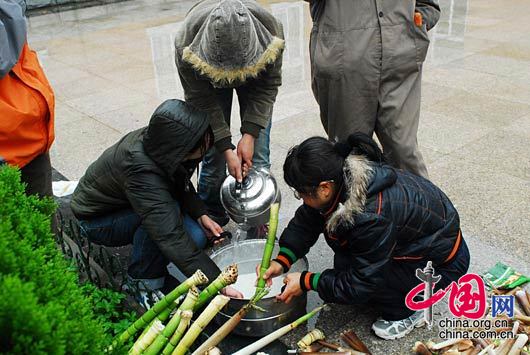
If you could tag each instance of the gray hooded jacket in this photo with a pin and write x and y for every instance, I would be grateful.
(230, 44)
(12, 33)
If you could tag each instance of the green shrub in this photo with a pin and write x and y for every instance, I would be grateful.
(109, 309)
(42, 308)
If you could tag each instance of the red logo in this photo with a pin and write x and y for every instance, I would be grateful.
(467, 298)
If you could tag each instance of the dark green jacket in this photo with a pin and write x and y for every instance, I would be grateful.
(143, 171)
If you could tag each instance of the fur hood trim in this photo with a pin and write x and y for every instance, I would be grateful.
(228, 76)
(357, 175)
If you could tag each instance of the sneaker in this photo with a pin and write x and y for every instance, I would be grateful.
(148, 299)
(396, 329)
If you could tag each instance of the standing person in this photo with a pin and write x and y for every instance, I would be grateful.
(139, 192)
(381, 223)
(222, 47)
(27, 103)
(366, 62)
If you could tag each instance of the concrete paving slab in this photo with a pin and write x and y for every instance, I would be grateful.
(446, 134)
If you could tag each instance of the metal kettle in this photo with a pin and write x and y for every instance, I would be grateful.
(248, 203)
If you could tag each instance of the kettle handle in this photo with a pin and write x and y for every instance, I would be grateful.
(239, 185)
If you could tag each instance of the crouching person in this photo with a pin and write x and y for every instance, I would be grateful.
(382, 224)
(139, 192)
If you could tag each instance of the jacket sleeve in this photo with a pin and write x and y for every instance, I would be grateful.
(191, 203)
(259, 96)
(151, 198)
(370, 248)
(430, 11)
(201, 95)
(301, 234)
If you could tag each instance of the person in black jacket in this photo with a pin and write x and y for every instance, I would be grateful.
(381, 223)
(139, 192)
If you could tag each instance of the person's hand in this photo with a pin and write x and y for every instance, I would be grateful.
(231, 292)
(292, 287)
(275, 269)
(234, 164)
(245, 151)
(210, 227)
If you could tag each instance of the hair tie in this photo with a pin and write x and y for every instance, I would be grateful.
(343, 149)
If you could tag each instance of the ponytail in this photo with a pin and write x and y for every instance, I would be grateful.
(360, 144)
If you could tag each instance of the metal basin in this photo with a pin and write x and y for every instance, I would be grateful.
(256, 323)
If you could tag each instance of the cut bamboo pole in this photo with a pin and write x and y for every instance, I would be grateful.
(523, 301)
(421, 349)
(310, 338)
(487, 350)
(446, 343)
(252, 348)
(230, 324)
(524, 319)
(179, 333)
(519, 344)
(143, 343)
(200, 323)
(225, 278)
(198, 278)
(162, 339)
(269, 245)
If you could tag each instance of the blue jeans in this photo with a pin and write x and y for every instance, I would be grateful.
(213, 171)
(147, 263)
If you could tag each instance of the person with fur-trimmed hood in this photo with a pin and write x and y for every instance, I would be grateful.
(222, 46)
(382, 224)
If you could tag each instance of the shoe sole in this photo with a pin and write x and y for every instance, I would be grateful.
(397, 336)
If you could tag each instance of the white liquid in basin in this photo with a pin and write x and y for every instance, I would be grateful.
(246, 285)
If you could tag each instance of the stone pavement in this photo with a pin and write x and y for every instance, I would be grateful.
(112, 65)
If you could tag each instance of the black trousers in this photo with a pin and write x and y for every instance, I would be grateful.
(400, 278)
(37, 174)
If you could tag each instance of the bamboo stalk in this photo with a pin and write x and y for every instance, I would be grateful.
(310, 338)
(523, 301)
(487, 350)
(143, 343)
(163, 338)
(524, 319)
(421, 349)
(354, 341)
(200, 323)
(446, 343)
(519, 344)
(225, 278)
(213, 351)
(315, 347)
(330, 345)
(181, 329)
(252, 348)
(269, 245)
(230, 324)
(198, 278)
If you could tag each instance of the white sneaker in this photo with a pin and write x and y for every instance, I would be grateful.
(148, 299)
(396, 329)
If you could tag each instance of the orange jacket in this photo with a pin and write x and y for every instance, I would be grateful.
(27, 107)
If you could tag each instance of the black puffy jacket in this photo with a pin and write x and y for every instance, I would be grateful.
(381, 216)
(143, 171)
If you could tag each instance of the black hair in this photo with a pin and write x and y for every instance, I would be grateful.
(205, 142)
(317, 159)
